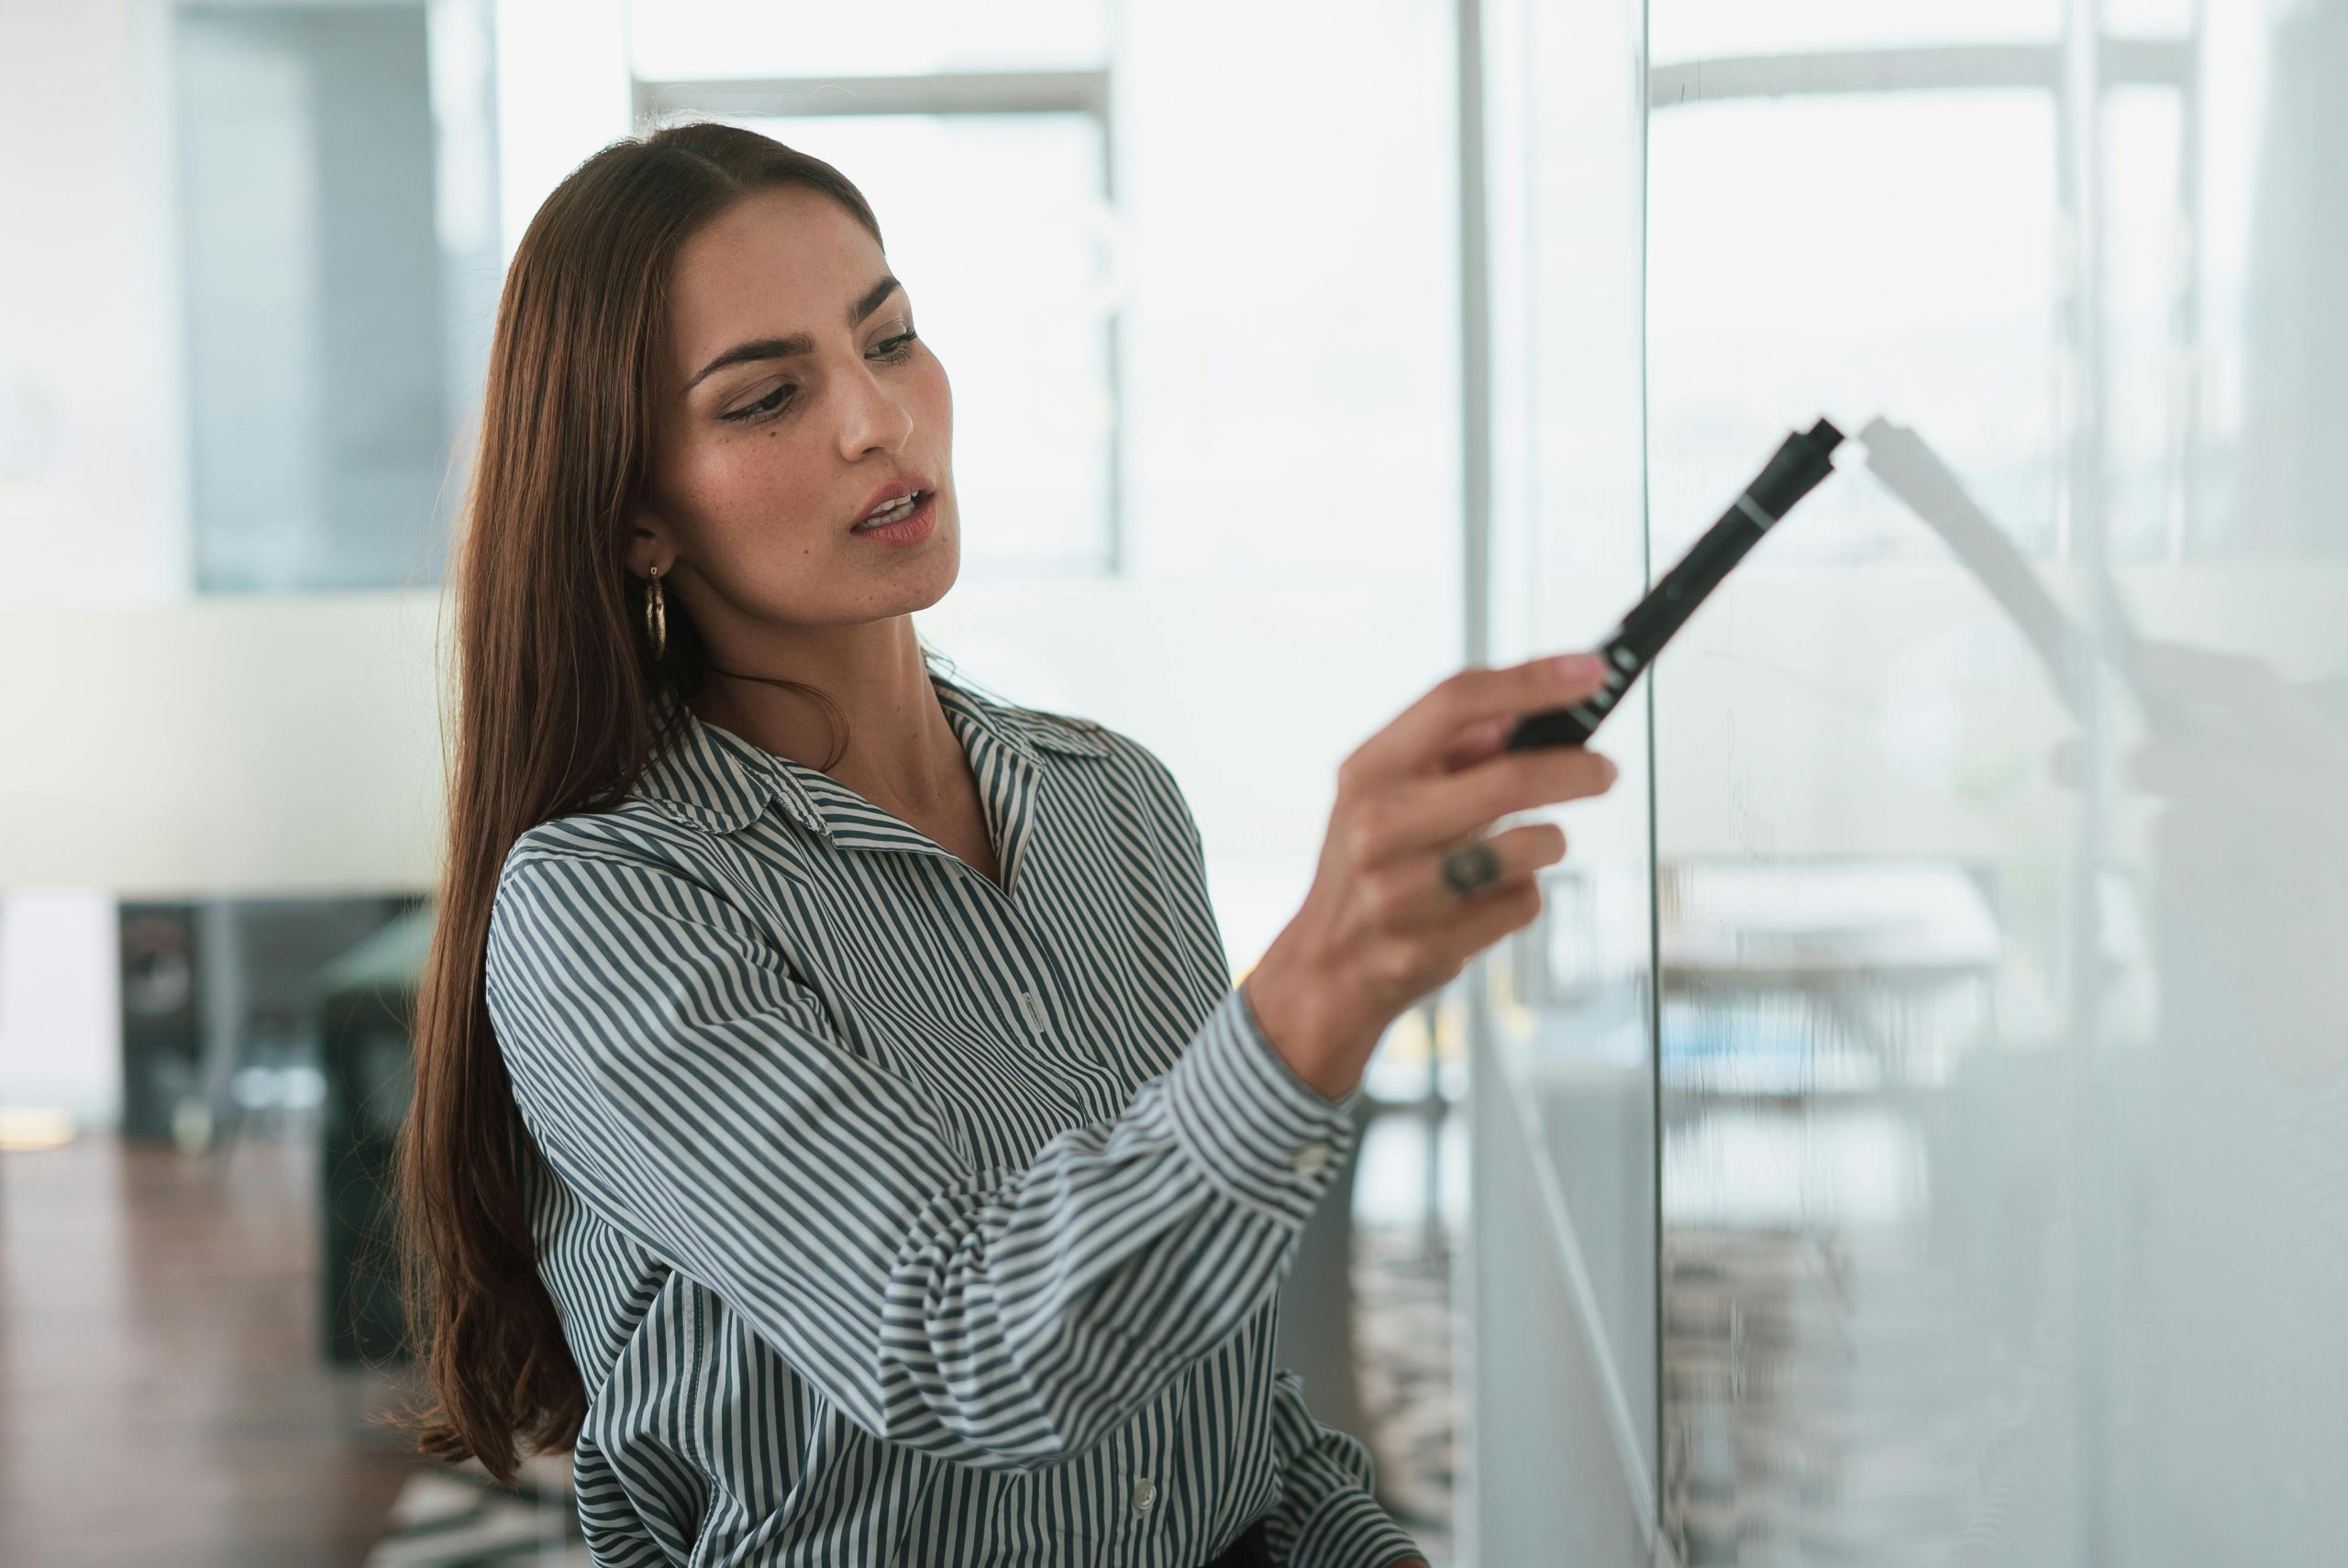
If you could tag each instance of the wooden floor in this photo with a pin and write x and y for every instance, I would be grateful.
(162, 1395)
(163, 1400)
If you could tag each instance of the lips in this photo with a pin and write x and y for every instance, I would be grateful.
(893, 514)
(894, 491)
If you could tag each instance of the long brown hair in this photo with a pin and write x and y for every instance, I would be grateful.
(558, 706)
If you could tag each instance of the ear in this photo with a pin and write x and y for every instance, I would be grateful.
(649, 545)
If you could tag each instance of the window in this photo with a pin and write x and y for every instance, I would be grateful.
(333, 248)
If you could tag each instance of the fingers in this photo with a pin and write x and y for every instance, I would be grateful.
(1479, 740)
(1413, 896)
(1522, 851)
(1430, 933)
(1381, 924)
(1420, 814)
(1417, 741)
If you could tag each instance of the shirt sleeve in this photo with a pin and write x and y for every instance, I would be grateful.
(1327, 1516)
(678, 1076)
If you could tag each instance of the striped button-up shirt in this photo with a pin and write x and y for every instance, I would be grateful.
(896, 1215)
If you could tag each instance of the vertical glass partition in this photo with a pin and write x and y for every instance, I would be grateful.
(1968, 922)
(1564, 1439)
(1864, 863)
(2000, 1082)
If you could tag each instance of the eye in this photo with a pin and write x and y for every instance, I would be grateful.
(896, 350)
(773, 400)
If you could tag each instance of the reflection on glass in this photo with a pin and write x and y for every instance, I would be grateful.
(1925, 219)
(2003, 1052)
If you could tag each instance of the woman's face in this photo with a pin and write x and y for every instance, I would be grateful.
(780, 416)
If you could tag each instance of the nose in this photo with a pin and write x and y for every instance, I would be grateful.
(873, 415)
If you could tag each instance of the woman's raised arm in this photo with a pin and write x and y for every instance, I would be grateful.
(676, 1075)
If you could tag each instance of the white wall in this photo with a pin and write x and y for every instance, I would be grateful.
(1292, 471)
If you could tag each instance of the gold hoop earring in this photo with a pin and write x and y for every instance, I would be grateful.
(655, 616)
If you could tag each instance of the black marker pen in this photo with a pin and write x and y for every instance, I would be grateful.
(1803, 459)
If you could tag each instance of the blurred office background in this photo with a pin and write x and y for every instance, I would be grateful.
(1917, 1131)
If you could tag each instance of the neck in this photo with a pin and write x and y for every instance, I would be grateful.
(900, 752)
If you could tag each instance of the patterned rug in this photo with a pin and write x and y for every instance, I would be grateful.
(1403, 1332)
(454, 1516)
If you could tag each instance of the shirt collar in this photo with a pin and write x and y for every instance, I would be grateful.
(714, 779)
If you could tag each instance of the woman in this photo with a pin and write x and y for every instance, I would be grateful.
(846, 1142)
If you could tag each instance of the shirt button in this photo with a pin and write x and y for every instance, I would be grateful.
(1145, 1494)
(1309, 1160)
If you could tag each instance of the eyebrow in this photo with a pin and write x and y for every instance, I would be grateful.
(797, 344)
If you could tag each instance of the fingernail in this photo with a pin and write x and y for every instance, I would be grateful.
(1574, 669)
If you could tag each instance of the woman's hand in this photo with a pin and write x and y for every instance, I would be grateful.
(1379, 930)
